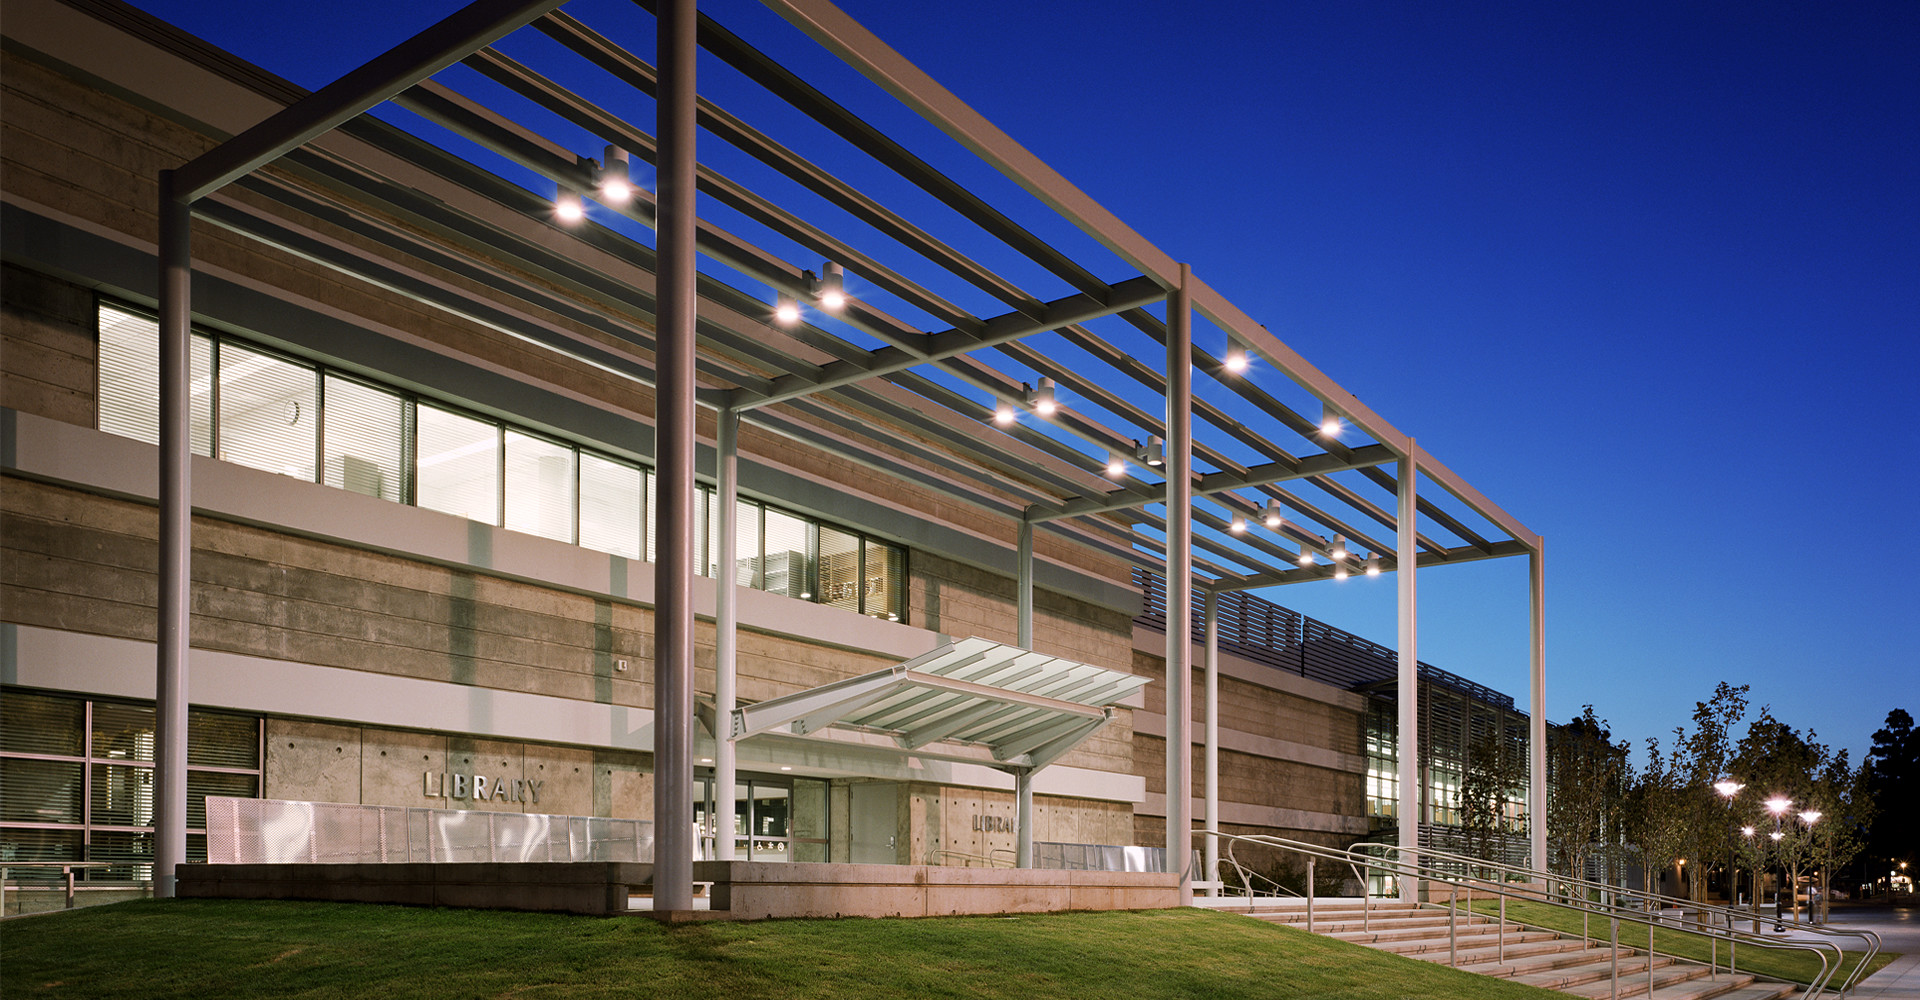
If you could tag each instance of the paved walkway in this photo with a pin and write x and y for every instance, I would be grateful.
(1899, 931)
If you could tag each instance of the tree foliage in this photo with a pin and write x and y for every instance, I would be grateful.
(1589, 775)
(1893, 783)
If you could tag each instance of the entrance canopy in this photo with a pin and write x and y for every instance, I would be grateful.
(1028, 708)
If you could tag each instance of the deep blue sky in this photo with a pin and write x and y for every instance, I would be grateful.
(1648, 275)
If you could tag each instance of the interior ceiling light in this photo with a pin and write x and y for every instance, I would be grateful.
(1274, 520)
(1003, 415)
(567, 207)
(833, 288)
(1041, 399)
(1373, 564)
(1338, 551)
(616, 183)
(1236, 359)
(1116, 466)
(1153, 453)
(1239, 526)
(786, 310)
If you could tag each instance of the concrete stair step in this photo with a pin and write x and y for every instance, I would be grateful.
(1350, 921)
(1468, 935)
(1511, 965)
(1752, 991)
(1670, 976)
(1464, 946)
(1571, 978)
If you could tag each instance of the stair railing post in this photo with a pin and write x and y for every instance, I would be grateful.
(1453, 922)
(1309, 894)
(1614, 924)
(1650, 924)
(1500, 938)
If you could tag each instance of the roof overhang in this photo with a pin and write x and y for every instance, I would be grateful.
(1028, 709)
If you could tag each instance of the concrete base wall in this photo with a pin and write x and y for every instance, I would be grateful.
(741, 890)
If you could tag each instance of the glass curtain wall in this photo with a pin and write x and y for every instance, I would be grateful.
(76, 781)
(254, 407)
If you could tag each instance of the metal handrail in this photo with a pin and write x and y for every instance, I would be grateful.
(989, 862)
(1729, 914)
(1616, 915)
(66, 872)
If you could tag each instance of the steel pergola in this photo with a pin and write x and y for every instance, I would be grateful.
(1126, 435)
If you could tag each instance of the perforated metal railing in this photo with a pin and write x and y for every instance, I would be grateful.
(278, 831)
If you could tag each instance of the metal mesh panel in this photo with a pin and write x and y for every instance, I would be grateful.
(1102, 857)
(276, 831)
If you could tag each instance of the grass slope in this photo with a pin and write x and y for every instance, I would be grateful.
(1780, 963)
(225, 948)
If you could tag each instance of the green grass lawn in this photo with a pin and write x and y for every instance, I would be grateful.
(1780, 963)
(227, 948)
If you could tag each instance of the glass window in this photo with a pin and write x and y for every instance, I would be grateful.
(201, 784)
(459, 467)
(539, 487)
(885, 576)
(269, 412)
(36, 723)
(130, 379)
(122, 795)
(122, 732)
(746, 535)
(609, 506)
(786, 564)
(40, 791)
(215, 739)
(839, 568)
(366, 439)
(646, 518)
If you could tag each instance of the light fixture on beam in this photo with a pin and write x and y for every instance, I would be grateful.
(1236, 359)
(1003, 415)
(1338, 550)
(1116, 466)
(1239, 525)
(786, 309)
(567, 206)
(1274, 520)
(1330, 423)
(832, 291)
(1339, 571)
(616, 181)
(1306, 555)
(1042, 399)
(1373, 564)
(1153, 453)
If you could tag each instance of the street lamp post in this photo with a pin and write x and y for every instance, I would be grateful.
(1809, 817)
(1728, 788)
(1778, 806)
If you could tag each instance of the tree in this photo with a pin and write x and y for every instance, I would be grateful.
(1588, 774)
(1487, 783)
(1893, 783)
(1704, 757)
(1777, 761)
(1845, 802)
(1656, 823)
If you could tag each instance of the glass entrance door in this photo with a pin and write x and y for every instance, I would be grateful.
(774, 819)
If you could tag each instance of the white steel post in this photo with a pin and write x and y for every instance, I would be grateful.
(673, 442)
(1023, 597)
(726, 625)
(1407, 739)
(1023, 811)
(1179, 460)
(1537, 707)
(176, 536)
(1211, 616)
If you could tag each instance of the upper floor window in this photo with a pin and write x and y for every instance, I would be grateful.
(255, 407)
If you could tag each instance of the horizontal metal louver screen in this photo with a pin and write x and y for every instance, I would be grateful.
(216, 739)
(37, 723)
(40, 791)
(609, 506)
(122, 732)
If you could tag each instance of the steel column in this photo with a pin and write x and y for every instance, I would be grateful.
(1023, 810)
(1537, 706)
(1179, 460)
(673, 433)
(726, 622)
(1407, 738)
(1211, 604)
(1023, 598)
(176, 536)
